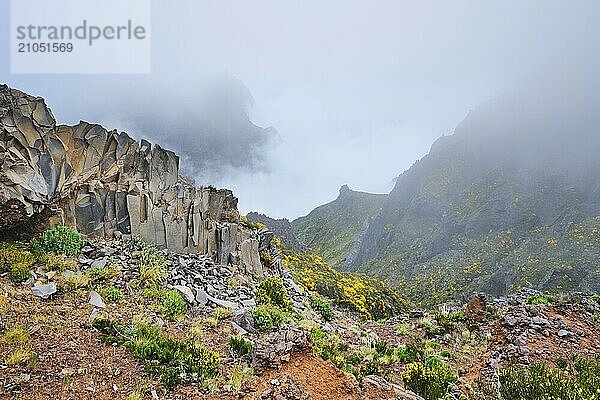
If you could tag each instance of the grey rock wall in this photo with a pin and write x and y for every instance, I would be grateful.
(105, 183)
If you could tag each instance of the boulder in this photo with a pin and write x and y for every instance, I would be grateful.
(186, 292)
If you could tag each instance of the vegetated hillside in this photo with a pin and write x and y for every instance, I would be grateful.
(332, 230)
(511, 199)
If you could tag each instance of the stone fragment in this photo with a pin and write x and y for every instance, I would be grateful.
(96, 299)
(186, 292)
(44, 291)
(563, 333)
(201, 297)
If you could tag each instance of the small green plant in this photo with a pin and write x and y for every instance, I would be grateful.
(20, 272)
(402, 328)
(152, 267)
(445, 353)
(222, 313)
(240, 346)
(136, 243)
(218, 314)
(175, 361)
(58, 262)
(20, 356)
(16, 335)
(574, 378)
(17, 342)
(266, 317)
(596, 318)
(62, 239)
(272, 291)
(239, 374)
(540, 299)
(111, 294)
(321, 306)
(73, 281)
(173, 304)
(14, 253)
(137, 394)
(249, 224)
(412, 351)
(104, 273)
(432, 378)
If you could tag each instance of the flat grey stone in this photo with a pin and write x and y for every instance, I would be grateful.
(44, 291)
(96, 299)
(223, 303)
(100, 263)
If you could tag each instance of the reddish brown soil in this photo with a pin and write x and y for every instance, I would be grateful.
(72, 363)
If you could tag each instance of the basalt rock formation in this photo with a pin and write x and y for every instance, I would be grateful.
(105, 183)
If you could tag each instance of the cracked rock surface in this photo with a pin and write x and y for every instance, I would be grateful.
(107, 184)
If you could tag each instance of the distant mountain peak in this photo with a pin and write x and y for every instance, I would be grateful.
(344, 190)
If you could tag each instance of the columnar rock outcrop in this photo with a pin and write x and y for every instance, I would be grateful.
(106, 183)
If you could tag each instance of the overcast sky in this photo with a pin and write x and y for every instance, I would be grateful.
(356, 91)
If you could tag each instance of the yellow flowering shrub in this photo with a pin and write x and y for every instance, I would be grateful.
(369, 296)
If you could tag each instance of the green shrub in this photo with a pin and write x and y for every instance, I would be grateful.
(376, 357)
(574, 378)
(175, 361)
(266, 317)
(540, 299)
(136, 243)
(20, 272)
(272, 291)
(173, 304)
(111, 294)
(73, 281)
(104, 273)
(321, 306)
(329, 347)
(249, 224)
(239, 374)
(596, 318)
(153, 269)
(62, 239)
(58, 262)
(369, 296)
(431, 379)
(14, 253)
(402, 328)
(240, 346)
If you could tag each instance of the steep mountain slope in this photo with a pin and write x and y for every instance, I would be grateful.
(511, 199)
(332, 230)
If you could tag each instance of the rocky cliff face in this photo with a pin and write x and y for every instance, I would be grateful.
(282, 228)
(105, 183)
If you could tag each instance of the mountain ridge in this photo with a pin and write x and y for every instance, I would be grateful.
(510, 199)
